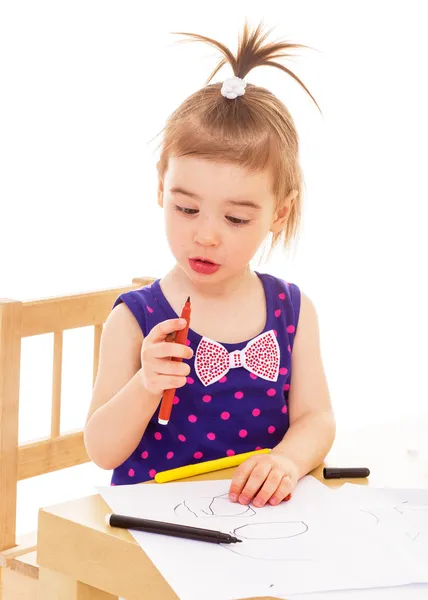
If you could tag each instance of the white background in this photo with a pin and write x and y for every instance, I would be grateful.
(86, 86)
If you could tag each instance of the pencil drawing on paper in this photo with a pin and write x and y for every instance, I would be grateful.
(372, 519)
(417, 518)
(271, 541)
(217, 506)
(262, 540)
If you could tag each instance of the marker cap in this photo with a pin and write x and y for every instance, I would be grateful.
(345, 473)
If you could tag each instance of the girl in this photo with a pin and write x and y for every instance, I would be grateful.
(229, 177)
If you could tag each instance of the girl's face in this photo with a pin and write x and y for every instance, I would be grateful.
(216, 216)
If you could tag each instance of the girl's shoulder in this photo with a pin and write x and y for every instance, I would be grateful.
(286, 296)
(141, 302)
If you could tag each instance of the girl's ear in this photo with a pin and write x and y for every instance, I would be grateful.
(283, 213)
(160, 188)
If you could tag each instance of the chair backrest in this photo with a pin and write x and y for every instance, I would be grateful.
(19, 320)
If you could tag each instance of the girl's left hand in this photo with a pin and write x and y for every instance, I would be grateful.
(264, 477)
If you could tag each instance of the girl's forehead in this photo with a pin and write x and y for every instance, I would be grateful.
(203, 176)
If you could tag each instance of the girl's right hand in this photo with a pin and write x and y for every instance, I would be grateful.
(158, 371)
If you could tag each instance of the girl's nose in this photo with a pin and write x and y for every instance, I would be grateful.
(206, 235)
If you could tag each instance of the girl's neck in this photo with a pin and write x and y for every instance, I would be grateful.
(244, 282)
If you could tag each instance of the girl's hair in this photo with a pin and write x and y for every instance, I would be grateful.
(255, 130)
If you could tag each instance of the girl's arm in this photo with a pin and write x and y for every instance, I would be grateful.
(120, 408)
(271, 477)
(312, 425)
(132, 376)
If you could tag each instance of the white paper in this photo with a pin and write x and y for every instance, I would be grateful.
(314, 542)
(380, 502)
(400, 514)
(417, 591)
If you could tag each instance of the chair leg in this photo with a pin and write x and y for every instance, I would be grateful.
(56, 586)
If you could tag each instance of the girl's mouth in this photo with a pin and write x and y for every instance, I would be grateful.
(203, 266)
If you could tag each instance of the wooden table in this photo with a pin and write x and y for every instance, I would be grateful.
(80, 558)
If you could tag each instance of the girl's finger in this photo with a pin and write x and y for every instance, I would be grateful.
(255, 482)
(170, 367)
(269, 487)
(240, 478)
(170, 350)
(170, 382)
(160, 331)
(284, 488)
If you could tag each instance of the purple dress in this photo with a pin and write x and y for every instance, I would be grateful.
(236, 396)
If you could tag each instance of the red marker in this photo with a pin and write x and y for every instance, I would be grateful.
(168, 396)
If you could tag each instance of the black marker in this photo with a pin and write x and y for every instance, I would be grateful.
(348, 473)
(171, 529)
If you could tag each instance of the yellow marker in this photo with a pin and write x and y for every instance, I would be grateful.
(206, 467)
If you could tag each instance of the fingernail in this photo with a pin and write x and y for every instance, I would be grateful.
(257, 502)
(243, 500)
(233, 497)
(273, 501)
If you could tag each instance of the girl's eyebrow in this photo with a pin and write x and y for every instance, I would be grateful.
(248, 203)
(237, 202)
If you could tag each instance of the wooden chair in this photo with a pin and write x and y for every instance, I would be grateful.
(18, 320)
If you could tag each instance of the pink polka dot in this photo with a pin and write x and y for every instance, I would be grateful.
(170, 455)
(190, 380)
(281, 296)
(284, 409)
(243, 433)
(271, 392)
(149, 309)
(181, 437)
(283, 371)
(144, 454)
(253, 376)
(277, 312)
(187, 342)
(291, 329)
(211, 436)
(198, 455)
(271, 429)
(176, 400)
(225, 415)
(275, 332)
(192, 418)
(152, 472)
(131, 472)
(256, 412)
(223, 379)
(158, 435)
(288, 283)
(258, 448)
(206, 398)
(230, 452)
(289, 348)
(286, 386)
(239, 395)
(112, 484)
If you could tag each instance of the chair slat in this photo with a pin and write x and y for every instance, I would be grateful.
(56, 384)
(70, 312)
(98, 329)
(47, 455)
(10, 361)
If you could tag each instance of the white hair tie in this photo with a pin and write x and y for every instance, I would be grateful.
(233, 87)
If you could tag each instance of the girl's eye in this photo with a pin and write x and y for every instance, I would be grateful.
(235, 221)
(186, 211)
